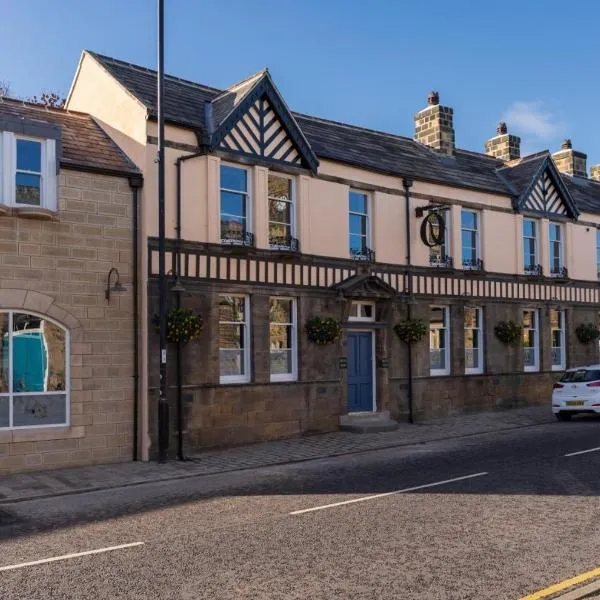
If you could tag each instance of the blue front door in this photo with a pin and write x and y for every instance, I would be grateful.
(360, 372)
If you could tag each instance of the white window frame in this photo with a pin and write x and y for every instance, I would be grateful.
(359, 318)
(249, 205)
(479, 326)
(536, 339)
(293, 376)
(477, 238)
(447, 355)
(367, 195)
(292, 202)
(561, 257)
(536, 259)
(11, 394)
(8, 172)
(246, 376)
(563, 350)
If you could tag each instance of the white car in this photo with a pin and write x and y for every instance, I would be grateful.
(577, 391)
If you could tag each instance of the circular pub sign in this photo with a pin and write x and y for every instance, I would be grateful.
(433, 230)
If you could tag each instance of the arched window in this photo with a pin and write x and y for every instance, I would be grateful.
(34, 381)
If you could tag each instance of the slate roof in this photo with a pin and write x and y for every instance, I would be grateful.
(83, 142)
(225, 102)
(374, 150)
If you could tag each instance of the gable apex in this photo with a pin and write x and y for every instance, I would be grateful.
(252, 119)
(547, 194)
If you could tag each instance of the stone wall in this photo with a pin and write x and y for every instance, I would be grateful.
(58, 268)
(223, 415)
(219, 415)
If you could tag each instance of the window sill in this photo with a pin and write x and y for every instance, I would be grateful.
(435, 373)
(35, 212)
(234, 381)
(283, 378)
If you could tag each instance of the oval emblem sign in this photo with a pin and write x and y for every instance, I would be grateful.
(433, 230)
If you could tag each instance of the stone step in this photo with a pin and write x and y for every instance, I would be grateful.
(373, 422)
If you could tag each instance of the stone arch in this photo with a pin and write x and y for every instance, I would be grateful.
(42, 304)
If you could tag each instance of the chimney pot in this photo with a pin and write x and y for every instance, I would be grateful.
(567, 145)
(433, 99)
(502, 128)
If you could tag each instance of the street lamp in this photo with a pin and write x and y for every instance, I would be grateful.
(163, 406)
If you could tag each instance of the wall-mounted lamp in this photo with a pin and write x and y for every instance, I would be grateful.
(177, 286)
(117, 286)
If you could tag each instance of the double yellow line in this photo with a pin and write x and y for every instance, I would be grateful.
(563, 585)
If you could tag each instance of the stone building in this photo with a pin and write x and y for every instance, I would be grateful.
(67, 202)
(275, 217)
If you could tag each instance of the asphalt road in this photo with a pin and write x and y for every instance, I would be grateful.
(521, 517)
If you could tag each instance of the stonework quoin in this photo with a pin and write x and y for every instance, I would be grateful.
(504, 145)
(595, 172)
(569, 161)
(434, 127)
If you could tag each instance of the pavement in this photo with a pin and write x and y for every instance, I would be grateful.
(30, 486)
(506, 514)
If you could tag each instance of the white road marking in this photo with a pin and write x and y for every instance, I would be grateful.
(583, 451)
(374, 497)
(69, 556)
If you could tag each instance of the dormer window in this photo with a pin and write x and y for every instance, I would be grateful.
(28, 172)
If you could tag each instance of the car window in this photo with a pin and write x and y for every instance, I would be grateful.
(580, 376)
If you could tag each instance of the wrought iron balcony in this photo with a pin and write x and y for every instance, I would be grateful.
(234, 237)
(533, 270)
(365, 255)
(284, 242)
(472, 264)
(441, 262)
(559, 272)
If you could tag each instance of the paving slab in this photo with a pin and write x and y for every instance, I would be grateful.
(28, 486)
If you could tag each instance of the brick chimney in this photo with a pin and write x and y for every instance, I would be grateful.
(570, 161)
(595, 172)
(504, 145)
(433, 126)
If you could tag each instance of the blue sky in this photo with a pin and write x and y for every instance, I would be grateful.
(533, 63)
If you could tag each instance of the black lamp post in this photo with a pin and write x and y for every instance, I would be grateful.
(163, 406)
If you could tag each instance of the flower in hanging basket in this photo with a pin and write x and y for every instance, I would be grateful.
(323, 331)
(182, 325)
(411, 331)
(508, 332)
(587, 332)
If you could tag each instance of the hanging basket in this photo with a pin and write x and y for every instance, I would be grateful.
(587, 332)
(411, 331)
(508, 332)
(323, 331)
(182, 325)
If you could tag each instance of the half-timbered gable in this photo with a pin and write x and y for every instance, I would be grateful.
(253, 120)
(541, 190)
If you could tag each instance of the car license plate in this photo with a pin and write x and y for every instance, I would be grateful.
(575, 403)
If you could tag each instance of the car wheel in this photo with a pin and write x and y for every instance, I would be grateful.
(564, 416)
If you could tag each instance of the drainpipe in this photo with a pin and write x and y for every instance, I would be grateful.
(407, 183)
(179, 375)
(135, 183)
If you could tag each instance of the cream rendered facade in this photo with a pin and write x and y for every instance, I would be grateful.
(321, 205)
